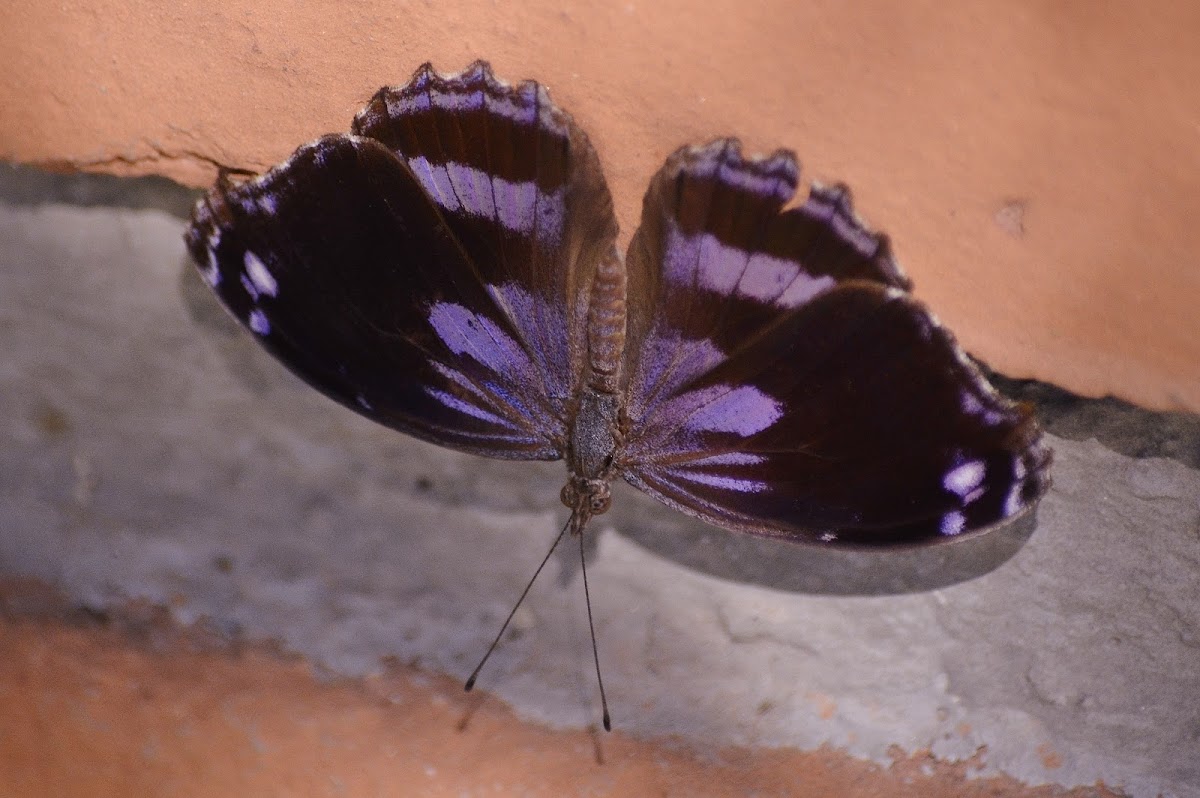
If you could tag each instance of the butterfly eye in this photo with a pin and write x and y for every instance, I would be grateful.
(569, 496)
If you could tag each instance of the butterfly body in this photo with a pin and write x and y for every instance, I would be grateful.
(449, 269)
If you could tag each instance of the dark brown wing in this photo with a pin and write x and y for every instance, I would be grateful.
(438, 288)
(782, 381)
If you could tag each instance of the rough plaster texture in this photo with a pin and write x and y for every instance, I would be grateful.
(148, 449)
(1037, 163)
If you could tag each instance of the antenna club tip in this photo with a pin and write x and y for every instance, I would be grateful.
(470, 684)
(607, 722)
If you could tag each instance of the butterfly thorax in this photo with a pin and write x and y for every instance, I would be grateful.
(590, 455)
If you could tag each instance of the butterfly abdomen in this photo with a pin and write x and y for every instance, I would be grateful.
(606, 325)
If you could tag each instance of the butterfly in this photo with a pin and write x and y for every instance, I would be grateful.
(450, 269)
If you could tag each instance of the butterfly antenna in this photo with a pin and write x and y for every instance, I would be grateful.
(587, 596)
(475, 673)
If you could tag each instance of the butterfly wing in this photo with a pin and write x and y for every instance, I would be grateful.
(782, 381)
(437, 288)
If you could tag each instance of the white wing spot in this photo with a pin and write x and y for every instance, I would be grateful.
(1013, 502)
(257, 271)
(953, 523)
(964, 479)
(212, 273)
(1019, 469)
(258, 322)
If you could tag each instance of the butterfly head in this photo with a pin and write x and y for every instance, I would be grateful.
(586, 498)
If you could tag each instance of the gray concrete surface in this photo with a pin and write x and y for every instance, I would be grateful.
(149, 449)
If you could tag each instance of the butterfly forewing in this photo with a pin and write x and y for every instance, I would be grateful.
(432, 272)
(781, 381)
(341, 266)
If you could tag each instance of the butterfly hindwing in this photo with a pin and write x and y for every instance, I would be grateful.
(782, 381)
(522, 190)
